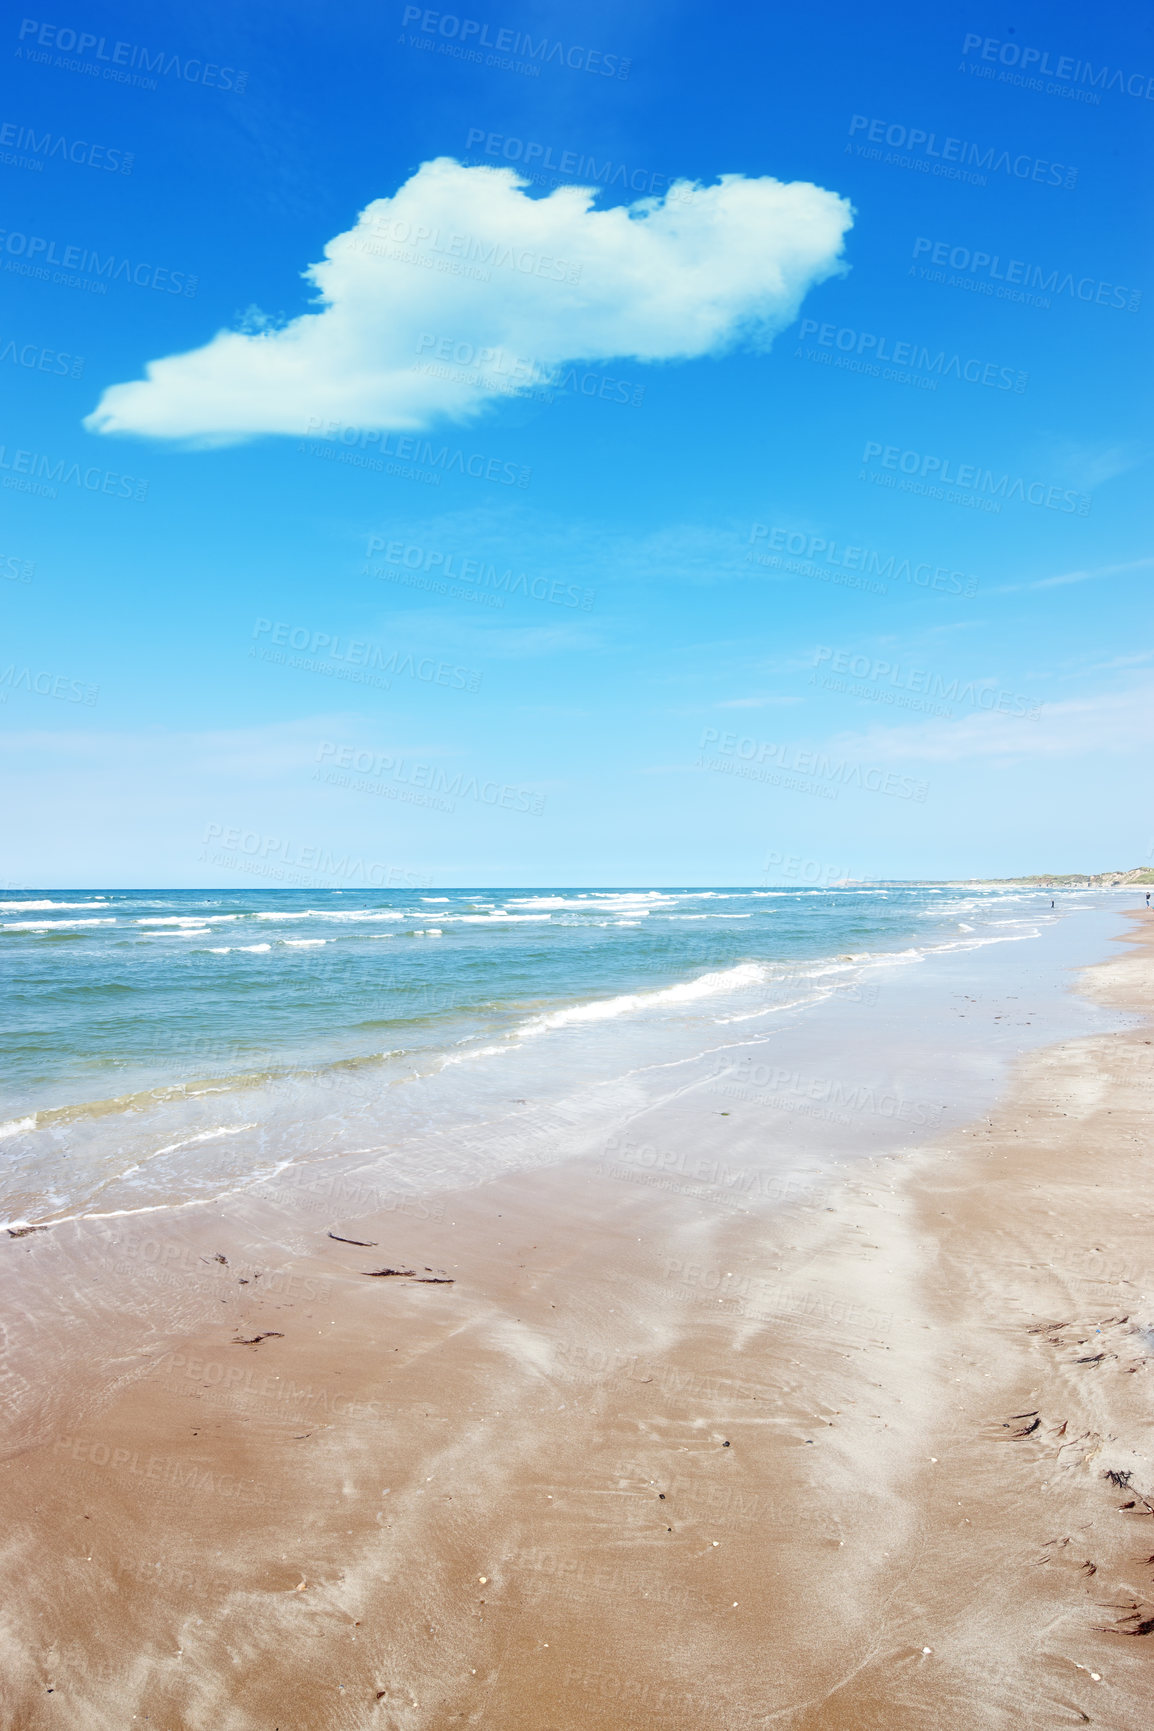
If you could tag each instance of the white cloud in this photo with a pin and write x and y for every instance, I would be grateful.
(1111, 722)
(758, 702)
(1095, 463)
(461, 256)
(1065, 578)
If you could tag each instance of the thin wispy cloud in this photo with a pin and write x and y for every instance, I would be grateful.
(1089, 574)
(1095, 464)
(758, 702)
(1109, 722)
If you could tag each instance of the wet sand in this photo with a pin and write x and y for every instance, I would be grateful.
(623, 1449)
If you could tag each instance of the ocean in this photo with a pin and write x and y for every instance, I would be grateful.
(166, 1048)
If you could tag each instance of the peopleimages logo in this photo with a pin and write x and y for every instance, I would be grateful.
(812, 872)
(956, 157)
(462, 569)
(494, 369)
(831, 1091)
(79, 151)
(38, 359)
(35, 254)
(44, 684)
(863, 559)
(431, 781)
(33, 472)
(471, 31)
(918, 681)
(469, 255)
(991, 48)
(971, 477)
(902, 354)
(15, 569)
(124, 55)
(360, 652)
(748, 757)
(537, 159)
(1032, 278)
(409, 447)
(274, 857)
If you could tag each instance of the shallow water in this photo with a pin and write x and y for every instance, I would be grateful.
(167, 1048)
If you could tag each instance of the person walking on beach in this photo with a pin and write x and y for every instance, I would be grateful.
(1147, 898)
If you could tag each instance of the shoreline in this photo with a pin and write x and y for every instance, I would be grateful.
(889, 1028)
(647, 1457)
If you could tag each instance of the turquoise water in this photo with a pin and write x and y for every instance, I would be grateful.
(161, 1047)
(110, 992)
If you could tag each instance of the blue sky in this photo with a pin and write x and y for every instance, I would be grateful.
(795, 513)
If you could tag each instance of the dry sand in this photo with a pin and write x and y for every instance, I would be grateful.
(652, 1459)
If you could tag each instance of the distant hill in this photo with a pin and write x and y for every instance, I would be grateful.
(1077, 880)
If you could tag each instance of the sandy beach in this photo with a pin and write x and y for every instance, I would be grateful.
(577, 875)
(605, 1444)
